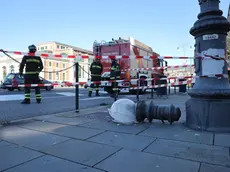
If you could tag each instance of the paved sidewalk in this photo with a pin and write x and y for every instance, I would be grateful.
(91, 142)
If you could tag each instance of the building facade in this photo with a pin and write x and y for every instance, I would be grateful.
(55, 69)
(7, 65)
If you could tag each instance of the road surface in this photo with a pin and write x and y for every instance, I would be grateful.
(55, 101)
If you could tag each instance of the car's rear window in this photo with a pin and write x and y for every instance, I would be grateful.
(9, 77)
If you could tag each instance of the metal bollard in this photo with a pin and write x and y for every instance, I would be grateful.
(147, 109)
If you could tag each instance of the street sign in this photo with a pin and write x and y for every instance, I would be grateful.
(210, 37)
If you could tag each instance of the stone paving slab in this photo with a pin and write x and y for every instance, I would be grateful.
(66, 120)
(222, 140)
(111, 126)
(13, 155)
(51, 164)
(77, 132)
(176, 148)
(31, 139)
(213, 168)
(191, 151)
(101, 116)
(177, 132)
(63, 130)
(4, 144)
(127, 141)
(134, 161)
(83, 152)
(41, 126)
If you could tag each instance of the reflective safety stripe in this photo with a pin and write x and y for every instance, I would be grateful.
(90, 89)
(115, 68)
(95, 75)
(38, 96)
(32, 60)
(27, 96)
(94, 66)
(115, 89)
(96, 88)
(31, 72)
(113, 78)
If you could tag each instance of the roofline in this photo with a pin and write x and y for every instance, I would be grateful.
(74, 47)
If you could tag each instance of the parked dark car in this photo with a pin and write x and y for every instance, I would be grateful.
(16, 79)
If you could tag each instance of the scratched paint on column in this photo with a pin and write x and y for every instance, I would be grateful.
(212, 66)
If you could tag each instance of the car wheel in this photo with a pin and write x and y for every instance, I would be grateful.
(48, 88)
(11, 89)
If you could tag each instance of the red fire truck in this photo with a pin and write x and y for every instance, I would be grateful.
(130, 47)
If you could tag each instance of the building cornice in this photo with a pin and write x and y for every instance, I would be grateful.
(74, 47)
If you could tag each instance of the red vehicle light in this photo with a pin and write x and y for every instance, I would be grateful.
(14, 81)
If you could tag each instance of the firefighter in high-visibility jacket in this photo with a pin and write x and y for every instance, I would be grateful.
(33, 67)
(96, 69)
(115, 75)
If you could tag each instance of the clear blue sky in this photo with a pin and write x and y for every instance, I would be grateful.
(163, 25)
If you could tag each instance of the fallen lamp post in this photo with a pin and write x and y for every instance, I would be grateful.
(147, 109)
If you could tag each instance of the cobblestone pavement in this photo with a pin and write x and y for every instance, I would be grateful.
(91, 142)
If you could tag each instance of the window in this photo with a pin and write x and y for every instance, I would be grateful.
(79, 72)
(4, 71)
(46, 47)
(90, 60)
(50, 64)
(9, 77)
(83, 71)
(64, 54)
(63, 65)
(50, 76)
(58, 46)
(11, 69)
(57, 76)
(42, 48)
(62, 47)
(63, 76)
(56, 64)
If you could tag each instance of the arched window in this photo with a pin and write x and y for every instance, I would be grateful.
(79, 72)
(63, 76)
(64, 54)
(11, 69)
(57, 76)
(4, 71)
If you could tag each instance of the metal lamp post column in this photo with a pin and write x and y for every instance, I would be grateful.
(209, 105)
